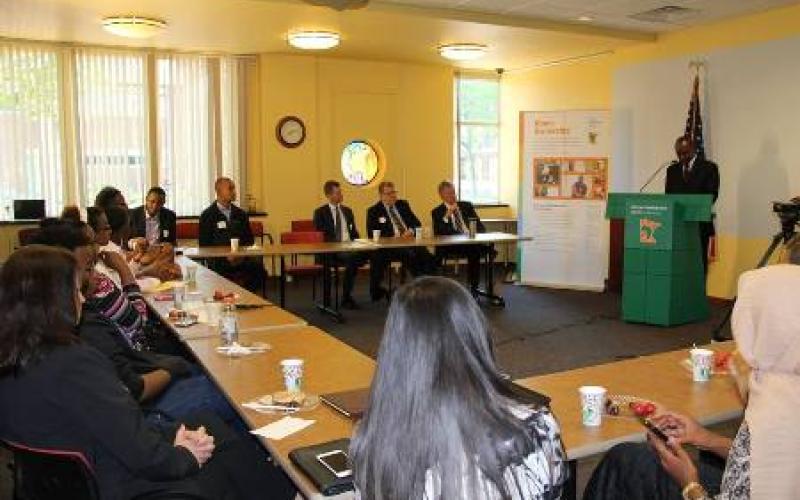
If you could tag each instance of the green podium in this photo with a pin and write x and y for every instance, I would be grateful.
(663, 282)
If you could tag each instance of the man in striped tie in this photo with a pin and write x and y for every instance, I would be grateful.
(395, 219)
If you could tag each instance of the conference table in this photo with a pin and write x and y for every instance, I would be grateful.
(333, 366)
(255, 313)
(327, 252)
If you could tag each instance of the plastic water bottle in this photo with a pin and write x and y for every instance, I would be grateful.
(229, 324)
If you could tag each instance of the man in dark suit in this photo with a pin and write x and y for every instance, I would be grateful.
(395, 219)
(338, 224)
(453, 217)
(693, 174)
(153, 221)
(221, 222)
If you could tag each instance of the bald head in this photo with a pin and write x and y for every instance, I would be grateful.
(225, 190)
(684, 149)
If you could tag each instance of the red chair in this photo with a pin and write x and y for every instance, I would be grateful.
(27, 235)
(187, 230)
(41, 474)
(257, 228)
(303, 226)
(296, 270)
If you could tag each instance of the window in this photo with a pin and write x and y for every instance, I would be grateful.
(478, 138)
(360, 163)
(76, 119)
(111, 104)
(184, 140)
(31, 154)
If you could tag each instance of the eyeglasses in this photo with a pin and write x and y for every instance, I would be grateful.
(389, 193)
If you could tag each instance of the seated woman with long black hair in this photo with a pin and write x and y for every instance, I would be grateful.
(442, 423)
(59, 393)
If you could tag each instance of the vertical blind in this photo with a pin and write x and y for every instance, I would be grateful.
(31, 146)
(111, 103)
(185, 133)
(76, 119)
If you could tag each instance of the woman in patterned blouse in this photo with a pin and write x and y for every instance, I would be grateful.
(442, 422)
(763, 460)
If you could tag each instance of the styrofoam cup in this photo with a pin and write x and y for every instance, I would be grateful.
(292, 370)
(234, 244)
(376, 235)
(593, 397)
(702, 359)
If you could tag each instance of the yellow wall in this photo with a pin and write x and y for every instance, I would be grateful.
(588, 85)
(406, 108)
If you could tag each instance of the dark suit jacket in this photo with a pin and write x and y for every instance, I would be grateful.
(323, 221)
(166, 224)
(378, 218)
(703, 179)
(442, 227)
(216, 230)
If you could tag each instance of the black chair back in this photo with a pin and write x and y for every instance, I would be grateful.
(45, 474)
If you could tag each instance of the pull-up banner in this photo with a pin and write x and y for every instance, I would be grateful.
(564, 157)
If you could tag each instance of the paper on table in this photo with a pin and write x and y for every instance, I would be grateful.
(237, 349)
(282, 428)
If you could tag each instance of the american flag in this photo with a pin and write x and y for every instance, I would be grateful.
(694, 123)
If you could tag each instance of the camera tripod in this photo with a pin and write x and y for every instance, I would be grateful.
(786, 234)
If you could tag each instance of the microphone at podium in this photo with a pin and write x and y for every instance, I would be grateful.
(657, 171)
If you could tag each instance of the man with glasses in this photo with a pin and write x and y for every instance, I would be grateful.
(394, 218)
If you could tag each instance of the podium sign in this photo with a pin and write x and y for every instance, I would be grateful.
(663, 278)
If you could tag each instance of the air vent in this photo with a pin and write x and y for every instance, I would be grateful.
(669, 14)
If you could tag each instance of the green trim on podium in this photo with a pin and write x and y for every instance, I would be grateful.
(663, 281)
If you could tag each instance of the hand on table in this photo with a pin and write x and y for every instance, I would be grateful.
(676, 462)
(198, 442)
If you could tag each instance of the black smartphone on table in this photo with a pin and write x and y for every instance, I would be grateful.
(653, 428)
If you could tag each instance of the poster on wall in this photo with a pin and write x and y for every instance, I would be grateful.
(565, 159)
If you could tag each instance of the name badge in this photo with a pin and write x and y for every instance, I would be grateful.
(382, 220)
(165, 233)
(222, 225)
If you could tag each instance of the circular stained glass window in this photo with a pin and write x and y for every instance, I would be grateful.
(360, 163)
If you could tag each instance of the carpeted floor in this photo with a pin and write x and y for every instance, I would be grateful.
(540, 330)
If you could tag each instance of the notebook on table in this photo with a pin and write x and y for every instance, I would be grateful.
(352, 404)
(326, 481)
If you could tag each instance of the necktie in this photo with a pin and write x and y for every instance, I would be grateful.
(396, 220)
(459, 221)
(338, 226)
(686, 173)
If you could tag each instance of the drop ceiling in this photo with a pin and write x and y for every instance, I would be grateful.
(519, 33)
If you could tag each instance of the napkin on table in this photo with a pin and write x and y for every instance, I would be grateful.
(282, 428)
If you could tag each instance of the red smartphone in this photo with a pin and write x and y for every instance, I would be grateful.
(654, 429)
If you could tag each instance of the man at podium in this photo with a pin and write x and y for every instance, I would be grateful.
(693, 174)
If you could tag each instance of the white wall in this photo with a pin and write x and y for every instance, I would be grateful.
(751, 113)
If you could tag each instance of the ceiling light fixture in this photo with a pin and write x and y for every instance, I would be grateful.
(133, 26)
(314, 40)
(585, 19)
(462, 51)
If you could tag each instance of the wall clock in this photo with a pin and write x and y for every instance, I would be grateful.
(291, 131)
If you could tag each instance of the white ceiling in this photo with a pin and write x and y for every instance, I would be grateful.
(519, 33)
(606, 13)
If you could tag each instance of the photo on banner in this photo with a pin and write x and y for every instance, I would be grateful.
(564, 164)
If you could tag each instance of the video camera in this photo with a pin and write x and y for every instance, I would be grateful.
(789, 215)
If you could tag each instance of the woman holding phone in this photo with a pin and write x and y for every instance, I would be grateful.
(441, 421)
(763, 460)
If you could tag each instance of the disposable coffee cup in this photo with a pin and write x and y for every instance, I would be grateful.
(376, 235)
(702, 359)
(292, 370)
(419, 233)
(179, 295)
(593, 399)
(234, 244)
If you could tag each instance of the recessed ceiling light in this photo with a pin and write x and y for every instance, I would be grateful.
(314, 40)
(133, 26)
(585, 19)
(462, 51)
